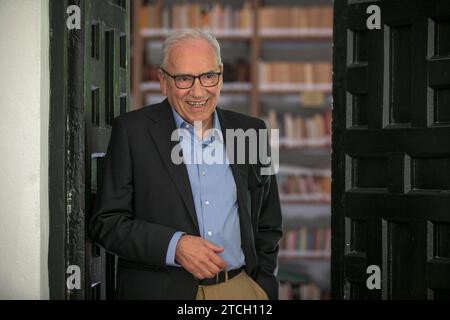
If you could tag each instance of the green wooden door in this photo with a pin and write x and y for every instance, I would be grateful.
(90, 85)
(391, 150)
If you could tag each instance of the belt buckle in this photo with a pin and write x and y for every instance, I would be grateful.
(218, 280)
(225, 273)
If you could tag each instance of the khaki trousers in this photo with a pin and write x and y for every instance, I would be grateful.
(241, 287)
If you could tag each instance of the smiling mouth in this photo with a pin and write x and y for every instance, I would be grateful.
(197, 104)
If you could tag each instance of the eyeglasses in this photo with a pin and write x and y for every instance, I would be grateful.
(186, 81)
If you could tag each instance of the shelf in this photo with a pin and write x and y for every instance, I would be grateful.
(294, 104)
(296, 110)
(305, 198)
(161, 34)
(236, 87)
(313, 215)
(296, 170)
(323, 142)
(277, 88)
(316, 150)
(243, 87)
(315, 34)
(312, 34)
(305, 254)
(246, 87)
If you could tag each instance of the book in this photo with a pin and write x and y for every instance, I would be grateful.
(309, 73)
(301, 131)
(304, 18)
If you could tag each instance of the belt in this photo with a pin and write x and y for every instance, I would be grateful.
(221, 277)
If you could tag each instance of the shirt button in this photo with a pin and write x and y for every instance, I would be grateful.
(187, 126)
(209, 233)
(207, 203)
(203, 173)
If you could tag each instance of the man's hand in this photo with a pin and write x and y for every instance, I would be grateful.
(199, 256)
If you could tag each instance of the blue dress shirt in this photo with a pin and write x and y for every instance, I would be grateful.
(213, 190)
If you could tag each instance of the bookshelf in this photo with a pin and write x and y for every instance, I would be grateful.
(277, 66)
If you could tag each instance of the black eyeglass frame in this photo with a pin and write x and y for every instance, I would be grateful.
(193, 77)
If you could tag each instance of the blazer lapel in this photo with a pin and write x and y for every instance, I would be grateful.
(161, 132)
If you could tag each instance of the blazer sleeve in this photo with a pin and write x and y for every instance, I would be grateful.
(268, 235)
(112, 224)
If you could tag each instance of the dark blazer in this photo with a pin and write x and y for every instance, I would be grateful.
(144, 198)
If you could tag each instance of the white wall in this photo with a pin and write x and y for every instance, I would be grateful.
(24, 116)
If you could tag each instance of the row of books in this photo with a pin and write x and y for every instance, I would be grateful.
(306, 239)
(297, 130)
(233, 71)
(320, 186)
(150, 72)
(213, 16)
(305, 291)
(236, 71)
(297, 17)
(295, 72)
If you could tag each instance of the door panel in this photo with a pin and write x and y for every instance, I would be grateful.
(89, 87)
(391, 150)
(107, 88)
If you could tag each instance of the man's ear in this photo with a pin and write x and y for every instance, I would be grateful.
(162, 82)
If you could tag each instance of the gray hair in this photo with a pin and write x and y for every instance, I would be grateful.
(186, 35)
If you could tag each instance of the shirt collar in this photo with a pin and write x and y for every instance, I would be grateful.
(216, 128)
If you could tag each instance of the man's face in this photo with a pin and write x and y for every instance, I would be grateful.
(191, 58)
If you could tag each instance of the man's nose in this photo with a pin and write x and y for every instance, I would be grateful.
(197, 89)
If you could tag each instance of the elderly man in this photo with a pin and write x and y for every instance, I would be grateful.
(193, 230)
